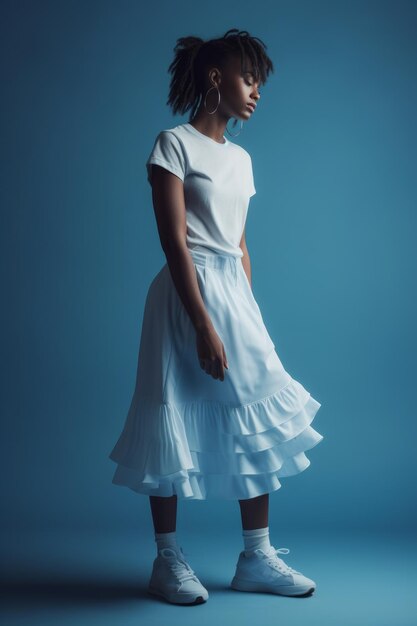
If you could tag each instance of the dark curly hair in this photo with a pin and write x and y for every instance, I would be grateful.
(193, 55)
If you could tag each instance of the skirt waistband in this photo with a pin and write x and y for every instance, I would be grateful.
(228, 263)
(213, 259)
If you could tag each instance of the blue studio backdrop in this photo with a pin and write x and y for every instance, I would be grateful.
(330, 232)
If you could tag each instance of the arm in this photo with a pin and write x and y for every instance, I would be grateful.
(246, 258)
(169, 208)
(170, 213)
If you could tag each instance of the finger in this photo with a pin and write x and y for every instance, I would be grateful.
(220, 370)
(215, 368)
(205, 365)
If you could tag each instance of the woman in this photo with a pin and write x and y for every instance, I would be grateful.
(214, 413)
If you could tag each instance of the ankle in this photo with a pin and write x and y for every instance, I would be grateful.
(256, 538)
(166, 540)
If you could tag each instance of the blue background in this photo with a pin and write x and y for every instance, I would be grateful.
(331, 236)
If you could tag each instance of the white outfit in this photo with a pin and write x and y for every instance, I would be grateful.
(187, 433)
(218, 182)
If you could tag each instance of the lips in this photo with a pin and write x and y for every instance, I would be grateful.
(251, 105)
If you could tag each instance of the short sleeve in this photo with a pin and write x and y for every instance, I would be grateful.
(168, 153)
(252, 189)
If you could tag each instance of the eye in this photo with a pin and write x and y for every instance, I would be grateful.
(251, 85)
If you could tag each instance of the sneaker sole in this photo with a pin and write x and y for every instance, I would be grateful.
(184, 599)
(284, 590)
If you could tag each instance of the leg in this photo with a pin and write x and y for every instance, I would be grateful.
(164, 513)
(172, 577)
(254, 512)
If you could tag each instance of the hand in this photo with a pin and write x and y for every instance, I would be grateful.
(211, 353)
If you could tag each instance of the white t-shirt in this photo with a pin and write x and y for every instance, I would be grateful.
(218, 182)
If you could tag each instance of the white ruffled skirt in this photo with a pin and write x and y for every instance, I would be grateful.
(189, 434)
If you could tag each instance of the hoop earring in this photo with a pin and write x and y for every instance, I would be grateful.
(205, 105)
(236, 134)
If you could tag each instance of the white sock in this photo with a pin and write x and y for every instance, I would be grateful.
(256, 538)
(166, 540)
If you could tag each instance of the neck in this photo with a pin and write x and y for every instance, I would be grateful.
(214, 126)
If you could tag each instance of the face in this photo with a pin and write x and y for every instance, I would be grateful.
(238, 89)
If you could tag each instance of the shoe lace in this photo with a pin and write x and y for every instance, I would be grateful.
(278, 563)
(179, 566)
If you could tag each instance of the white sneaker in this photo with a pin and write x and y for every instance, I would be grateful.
(265, 571)
(173, 579)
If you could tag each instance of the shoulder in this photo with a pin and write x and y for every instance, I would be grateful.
(242, 152)
(245, 158)
(168, 152)
(170, 141)
(174, 134)
(168, 135)
(247, 168)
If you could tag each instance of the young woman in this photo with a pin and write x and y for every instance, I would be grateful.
(214, 413)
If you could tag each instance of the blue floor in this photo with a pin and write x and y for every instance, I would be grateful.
(99, 577)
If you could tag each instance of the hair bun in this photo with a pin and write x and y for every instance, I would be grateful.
(188, 43)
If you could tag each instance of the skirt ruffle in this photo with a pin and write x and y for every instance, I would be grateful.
(189, 434)
(207, 449)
